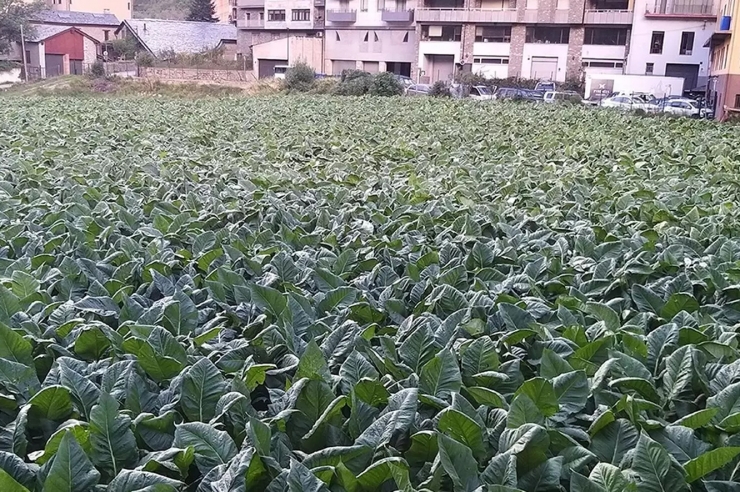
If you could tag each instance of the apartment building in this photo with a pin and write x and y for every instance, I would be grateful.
(120, 8)
(226, 10)
(543, 39)
(723, 87)
(668, 38)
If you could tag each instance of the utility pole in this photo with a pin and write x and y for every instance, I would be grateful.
(23, 49)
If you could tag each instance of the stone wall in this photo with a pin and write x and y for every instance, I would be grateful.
(516, 50)
(574, 63)
(196, 74)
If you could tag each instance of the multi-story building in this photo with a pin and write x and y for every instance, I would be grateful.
(226, 10)
(723, 88)
(668, 38)
(120, 8)
(550, 39)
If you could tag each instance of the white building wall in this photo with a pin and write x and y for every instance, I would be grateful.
(288, 5)
(559, 51)
(491, 49)
(598, 52)
(90, 50)
(642, 32)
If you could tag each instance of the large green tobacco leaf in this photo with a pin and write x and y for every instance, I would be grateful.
(441, 375)
(202, 387)
(111, 437)
(71, 470)
(654, 468)
(212, 447)
(710, 461)
(14, 347)
(457, 460)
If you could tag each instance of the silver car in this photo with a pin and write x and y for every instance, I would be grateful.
(418, 90)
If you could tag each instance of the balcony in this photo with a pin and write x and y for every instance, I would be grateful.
(466, 15)
(250, 4)
(341, 16)
(608, 17)
(398, 16)
(701, 9)
(250, 23)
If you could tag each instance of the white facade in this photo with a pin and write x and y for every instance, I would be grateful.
(673, 26)
(555, 55)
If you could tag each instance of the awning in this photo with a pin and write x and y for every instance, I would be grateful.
(717, 38)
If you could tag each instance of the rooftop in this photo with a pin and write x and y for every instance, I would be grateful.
(180, 36)
(42, 32)
(72, 18)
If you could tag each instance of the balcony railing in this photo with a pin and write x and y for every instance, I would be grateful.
(250, 23)
(608, 17)
(701, 8)
(251, 4)
(345, 16)
(465, 15)
(398, 16)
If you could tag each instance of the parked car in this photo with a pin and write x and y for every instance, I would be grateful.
(533, 96)
(418, 90)
(554, 96)
(685, 107)
(627, 103)
(406, 82)
(544, 86)
(509, 93)
(481, 93)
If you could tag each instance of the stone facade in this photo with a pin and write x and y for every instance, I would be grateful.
(516, 49)
(195, 74)
(574, 63)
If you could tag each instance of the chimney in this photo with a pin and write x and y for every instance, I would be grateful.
(145, 27)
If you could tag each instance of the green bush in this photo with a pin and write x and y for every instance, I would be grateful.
(354, 83)
(97, 69)
(300, 78)
(325, 86)
(144, 59)
(385, 84)
(440, 89)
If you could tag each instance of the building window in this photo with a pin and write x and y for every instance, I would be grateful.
(493, 34)
(406, 38)
(737, 101)
(547, 35)
(276, 15)
(375, 37)
(337, 34)
(656, 43)
(106, 35)
(602, 64)
(366, 38)
(605, 36)
(381, 5)
(441, 33)
(687, 43)
(649, 68)
(363, 5)
(492, 61)
(300, 14)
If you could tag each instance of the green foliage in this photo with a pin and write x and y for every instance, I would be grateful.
(97, 69)
(144, 59)
(354, 83)
(440, 89)
(126, 48)
(202, 11)
(365, 304)
(385, 84)
(14, 15)
(300, 78)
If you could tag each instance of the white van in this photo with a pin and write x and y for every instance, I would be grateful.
(280, 71)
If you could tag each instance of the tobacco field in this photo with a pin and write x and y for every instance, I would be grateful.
(323, 294)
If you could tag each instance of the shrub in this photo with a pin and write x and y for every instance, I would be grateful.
(354, 83)
(385, 84)
(97, 69)
(325, 86)
(440, 89)
(299, 78)
(144, 59)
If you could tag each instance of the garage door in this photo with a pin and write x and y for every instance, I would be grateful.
(339, 66)
(371, 67)
(690, 74)
(266, 68)
(544, 68)
(54, 65)
(440, 67)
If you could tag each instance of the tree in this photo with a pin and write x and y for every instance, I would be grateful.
(13, 15)
(201, 11)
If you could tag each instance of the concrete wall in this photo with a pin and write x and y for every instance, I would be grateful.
(642, 31)
(196, 74)
(288, 5)
(371, 16)
(120, 8)
(389, 47)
